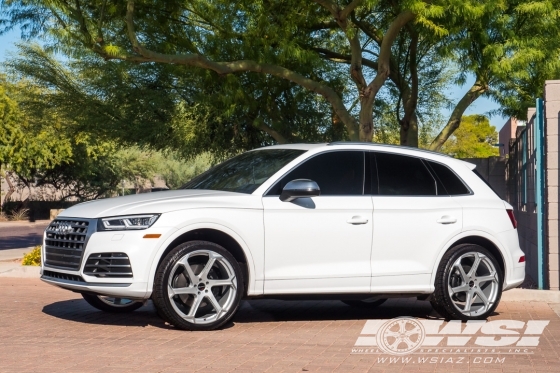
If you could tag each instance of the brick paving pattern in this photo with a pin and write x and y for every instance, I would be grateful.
(46, 329)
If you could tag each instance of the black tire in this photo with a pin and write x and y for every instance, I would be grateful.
(365, 303)
(177, 309)
(128, 305)
(449, 276)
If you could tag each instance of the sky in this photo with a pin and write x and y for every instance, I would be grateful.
(481, 106)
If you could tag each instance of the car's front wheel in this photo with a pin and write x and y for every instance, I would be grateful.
(112, 304)
(198, 286)
(468, 283)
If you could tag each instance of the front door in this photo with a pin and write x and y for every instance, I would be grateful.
(320, 244)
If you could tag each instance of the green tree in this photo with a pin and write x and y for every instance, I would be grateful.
(475, 138)
(310, 45)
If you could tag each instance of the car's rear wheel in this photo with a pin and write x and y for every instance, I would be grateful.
(365, 303)
(112, 304)
(198, 286)
(468, 284)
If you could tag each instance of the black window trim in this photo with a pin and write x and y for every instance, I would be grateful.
(315, 155)
(430, 171)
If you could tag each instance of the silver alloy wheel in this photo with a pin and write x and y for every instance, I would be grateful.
(202, 287)
(473, 283)
(116, 302)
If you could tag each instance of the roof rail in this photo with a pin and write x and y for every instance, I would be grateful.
(385, 145)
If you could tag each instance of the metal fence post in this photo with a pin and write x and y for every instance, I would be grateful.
(540, 190)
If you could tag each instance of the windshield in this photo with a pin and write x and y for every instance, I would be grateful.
(245, 172)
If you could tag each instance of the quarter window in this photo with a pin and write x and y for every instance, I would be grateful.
(338, 173)
(400, 175)
(451, 182)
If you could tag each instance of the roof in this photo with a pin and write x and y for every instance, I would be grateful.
(383, 147)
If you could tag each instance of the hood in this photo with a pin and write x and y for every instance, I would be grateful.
(161, 202)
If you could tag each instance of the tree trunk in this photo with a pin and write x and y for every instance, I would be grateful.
(409, 130)
(366, 120)
(11, 188)
(477, 89)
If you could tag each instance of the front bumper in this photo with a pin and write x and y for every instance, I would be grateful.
(140, 251)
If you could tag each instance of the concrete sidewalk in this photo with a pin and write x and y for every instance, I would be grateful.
(10, 264)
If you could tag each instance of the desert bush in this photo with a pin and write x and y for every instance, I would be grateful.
(21, 214)
(33, 258)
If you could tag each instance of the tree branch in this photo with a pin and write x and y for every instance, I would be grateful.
(280, 139)
(384, 61)
(223, 68)
(477, 90)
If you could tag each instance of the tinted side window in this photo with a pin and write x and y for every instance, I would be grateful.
(451, 182)
(336, 173)
(401, 175)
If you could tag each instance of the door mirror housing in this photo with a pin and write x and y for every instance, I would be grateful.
(299, 188)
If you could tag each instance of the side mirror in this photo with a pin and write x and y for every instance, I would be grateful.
(299, 188)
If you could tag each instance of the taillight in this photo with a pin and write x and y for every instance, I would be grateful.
(512, 218)
(522, 259)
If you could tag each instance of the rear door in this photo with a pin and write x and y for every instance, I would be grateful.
(414, 217)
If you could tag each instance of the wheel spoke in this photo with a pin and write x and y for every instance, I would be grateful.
(204, 273)
(181, 291)
(416, 330)
(396, 343)
(482, 297)
(459, 266)
(402, 326)
(460, 289)
(468, 302)
(390, 333)
(189, 272)
(490, 277)
(194, 307)
(475, 265)
(409, 343)
(215, 304)
(222, 282)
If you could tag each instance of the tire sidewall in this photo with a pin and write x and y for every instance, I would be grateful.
(94, 301)
(443, 275)
(160, 293)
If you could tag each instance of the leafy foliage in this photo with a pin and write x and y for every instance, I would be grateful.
(475, 138)
(32, 258)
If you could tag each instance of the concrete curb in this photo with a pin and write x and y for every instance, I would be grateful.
(21, 272)
(14, 254)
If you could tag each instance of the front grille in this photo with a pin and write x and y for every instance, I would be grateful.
(62, 276)
(65, 242)
(108, 265)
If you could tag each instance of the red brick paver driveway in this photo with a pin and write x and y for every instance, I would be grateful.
(45, 329)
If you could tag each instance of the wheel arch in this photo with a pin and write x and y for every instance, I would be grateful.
(476, 238)
(487, 244)
(214, 235)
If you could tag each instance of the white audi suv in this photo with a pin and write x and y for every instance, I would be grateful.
(351, 221)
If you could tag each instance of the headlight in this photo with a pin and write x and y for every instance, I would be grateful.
(122, 223)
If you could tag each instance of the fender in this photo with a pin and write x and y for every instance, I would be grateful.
(506, 257)
(205, 225)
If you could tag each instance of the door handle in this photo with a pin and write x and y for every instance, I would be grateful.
(446, 219)
(356, 220)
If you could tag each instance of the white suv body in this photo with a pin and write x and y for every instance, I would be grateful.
(374, 242)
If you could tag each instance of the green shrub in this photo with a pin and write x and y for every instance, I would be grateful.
(32, 258)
